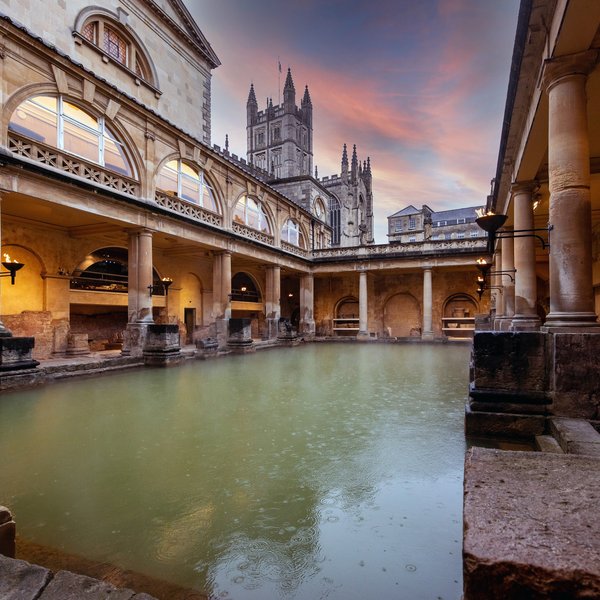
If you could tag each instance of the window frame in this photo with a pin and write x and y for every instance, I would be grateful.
(299, 240)
(101, 133)
(182, 177)
(264, 225)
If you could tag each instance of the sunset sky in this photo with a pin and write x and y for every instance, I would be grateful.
(417, 85)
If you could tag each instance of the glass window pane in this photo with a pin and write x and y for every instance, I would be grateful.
(75, 113)
(89, 32)
(189, 171)
(114, 45)
(252, 218)
(285, 233)
(81, 141)
(190, 190)
(167, 180)
(264, 224)
(115, 158)
(240, 207)
(34, 120)
(301, 241)
(208, 200)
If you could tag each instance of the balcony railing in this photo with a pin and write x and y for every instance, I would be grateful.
(175, 204)
(294, 249)
(69, 163)
(253, 234)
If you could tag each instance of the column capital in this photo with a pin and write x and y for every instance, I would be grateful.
(558, 68)
(140, 231)
(524, 187)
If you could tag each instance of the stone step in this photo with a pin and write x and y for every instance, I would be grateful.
(575, 436)
(546, 443)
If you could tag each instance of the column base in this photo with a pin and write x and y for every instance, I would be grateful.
(134, 338)
(503, 323)
(558, 322)
(525, 323)
(427, 336)
(307, 328)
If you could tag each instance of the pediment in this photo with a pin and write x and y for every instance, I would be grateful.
(178, 17)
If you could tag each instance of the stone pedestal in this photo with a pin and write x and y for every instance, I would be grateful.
(207, 347)
(287, 334)
(15, 353)
(77, 344)
(134, 338)
(240, 339)
(162, 347)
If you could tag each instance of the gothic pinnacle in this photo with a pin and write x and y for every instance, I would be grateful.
(289, 82)
(306, 99)
(252, 96)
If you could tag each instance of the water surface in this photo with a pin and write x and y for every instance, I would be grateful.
(325, 471)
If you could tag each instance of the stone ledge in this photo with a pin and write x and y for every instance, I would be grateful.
(20, 580)
(530, 526)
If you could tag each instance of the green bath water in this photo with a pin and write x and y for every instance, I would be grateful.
(325, 471)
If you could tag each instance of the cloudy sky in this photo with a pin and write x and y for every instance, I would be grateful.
(417, 85)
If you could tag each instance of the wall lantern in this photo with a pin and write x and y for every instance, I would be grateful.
(492, 223)
(165, 282)
(11, 266)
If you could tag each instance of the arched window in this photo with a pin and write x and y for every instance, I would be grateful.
(106, 270)
(116, 44)
(334, 221)
(177, 178)
(292, 234)
(57, 122)
(243, 288)
(249, 212)
(319, 209)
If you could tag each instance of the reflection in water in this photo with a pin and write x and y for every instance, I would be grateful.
(326, 471)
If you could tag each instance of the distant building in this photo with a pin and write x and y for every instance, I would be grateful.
(418, 225)
(280, 143)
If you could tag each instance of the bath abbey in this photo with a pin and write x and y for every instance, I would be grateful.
(127, 236)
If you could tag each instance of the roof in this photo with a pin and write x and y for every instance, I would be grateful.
(455, 213)
(409, 210)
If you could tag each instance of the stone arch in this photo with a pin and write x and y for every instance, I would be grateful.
(253, 291)
(113, 126)
(28, 292)
(460, 305)
(266, 210)
(346, 308)
(218, 197)
(87, 14)
(402, 316)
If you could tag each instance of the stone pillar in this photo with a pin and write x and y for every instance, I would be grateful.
(427, 333)
(272, 301)
(222, 296)
(4, 331)
(571, 289)
(363, 306)
(307, 319)
(139, 299)
(498, 293)
(508, 287)
(525, 317)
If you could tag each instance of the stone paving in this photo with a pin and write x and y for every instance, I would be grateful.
(531, 527)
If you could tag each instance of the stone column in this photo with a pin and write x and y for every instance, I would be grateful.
(498, 294)
(508, 287)
(4, 331)
(139, 299)
(571, 289)
(363, 306)
(307, 319)
(222, 296)
(272, 301)
(525, 317)
(427, 333)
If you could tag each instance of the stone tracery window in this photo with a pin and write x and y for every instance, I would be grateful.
(292, 234)
(177, 178)
(249, 212)
(57, 122)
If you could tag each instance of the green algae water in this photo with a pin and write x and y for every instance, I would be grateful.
(325, 471)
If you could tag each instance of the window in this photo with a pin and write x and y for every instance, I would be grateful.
(397, 226)
(260, 138)
(448, 236)
(334, 221)
(412, 238)
(460, 235)
(117, 45)
(461, 220)
(292, 235)
(319, 209)
(249, 212)
(474, 233)
(276, 135)
(179, 179)
(54, 121)
(412, 223)
(260, 161)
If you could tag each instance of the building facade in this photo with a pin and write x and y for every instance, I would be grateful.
(411, 225)
(109, 189)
